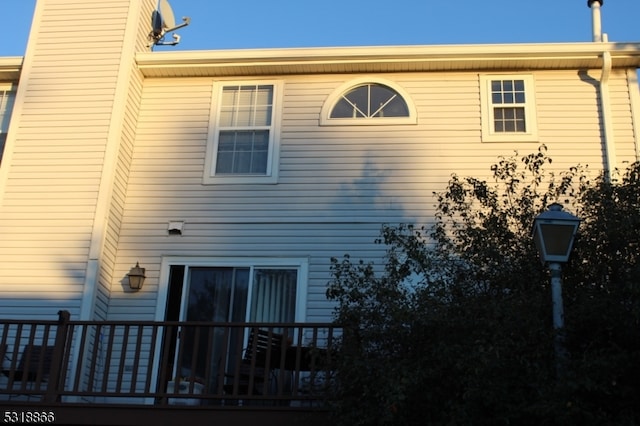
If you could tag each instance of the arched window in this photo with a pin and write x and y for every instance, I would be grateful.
(368, 102)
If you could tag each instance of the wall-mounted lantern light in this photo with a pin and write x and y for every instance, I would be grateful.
(136, 277)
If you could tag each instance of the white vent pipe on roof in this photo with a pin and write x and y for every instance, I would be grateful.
(596, 19)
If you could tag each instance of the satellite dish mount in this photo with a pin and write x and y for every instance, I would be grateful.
(163, 23)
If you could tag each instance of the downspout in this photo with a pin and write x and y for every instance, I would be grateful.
(607, 118)
(605, 98)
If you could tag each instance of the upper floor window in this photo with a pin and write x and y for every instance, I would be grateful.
(508, 108)
(243, 142)
(7, 97)
(368, 102)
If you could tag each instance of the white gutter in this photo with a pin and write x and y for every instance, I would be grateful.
(605, 98)
(452, 52)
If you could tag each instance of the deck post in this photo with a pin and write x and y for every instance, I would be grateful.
(53, 384)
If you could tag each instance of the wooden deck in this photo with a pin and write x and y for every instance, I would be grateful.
(117, 373)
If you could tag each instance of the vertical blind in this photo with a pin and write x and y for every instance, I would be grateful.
(274, 295)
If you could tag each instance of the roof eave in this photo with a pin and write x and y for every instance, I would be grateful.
(255, 62)
(10, 67)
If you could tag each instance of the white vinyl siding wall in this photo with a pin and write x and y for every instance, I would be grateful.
(337, 185)
(64, 109)
(121, 175)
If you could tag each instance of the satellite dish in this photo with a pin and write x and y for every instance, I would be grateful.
(163, 22)
(156, 24)
(168, 20)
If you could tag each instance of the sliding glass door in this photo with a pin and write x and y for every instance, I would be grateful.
(227, 294)
(215, 294)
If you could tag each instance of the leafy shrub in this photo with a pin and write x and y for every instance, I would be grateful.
(455, 328)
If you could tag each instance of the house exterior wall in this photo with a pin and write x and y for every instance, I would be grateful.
(73, 109)
(337, 184)
(114, 195)
(100, 158)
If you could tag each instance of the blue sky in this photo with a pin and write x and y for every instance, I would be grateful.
(218, 24)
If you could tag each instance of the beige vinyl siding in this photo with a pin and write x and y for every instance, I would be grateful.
(109, 252)
(337, 184)
(108, 256)
(64, 111)
(144, 25)
(188, 100)
(622, 119)
(569, 112)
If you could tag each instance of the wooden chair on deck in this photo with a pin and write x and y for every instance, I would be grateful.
(32, 369)
(251, 375)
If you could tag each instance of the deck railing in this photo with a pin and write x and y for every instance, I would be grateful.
(167, 363)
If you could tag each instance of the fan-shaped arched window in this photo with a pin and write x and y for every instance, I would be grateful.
(368, 102)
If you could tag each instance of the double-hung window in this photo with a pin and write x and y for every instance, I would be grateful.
(244, 135)
(508, 108)
(7, 97)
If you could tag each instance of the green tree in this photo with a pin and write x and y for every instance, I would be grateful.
(455, 327)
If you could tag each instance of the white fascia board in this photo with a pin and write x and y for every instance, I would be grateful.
(456, 55)
(10, 67)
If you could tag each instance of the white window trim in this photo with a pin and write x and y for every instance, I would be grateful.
(5, 120)
(7, 87)
(336, 95)
(488, 132)
(273, 161)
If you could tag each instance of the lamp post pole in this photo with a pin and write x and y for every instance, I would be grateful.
(555, 270)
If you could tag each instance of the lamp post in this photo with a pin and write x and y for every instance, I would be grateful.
(553, 233)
